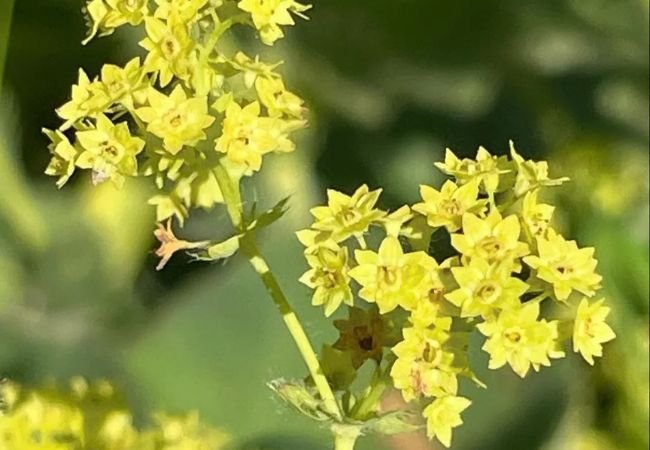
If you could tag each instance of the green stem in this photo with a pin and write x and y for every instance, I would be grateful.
(232, 196)
(369, 403)
(344, 442)
(6, 12)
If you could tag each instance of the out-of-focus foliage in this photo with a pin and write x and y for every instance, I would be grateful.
(390, 84)
(92, 416)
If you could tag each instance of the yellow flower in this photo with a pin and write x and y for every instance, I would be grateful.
(176, 119)
(394, 221)
(486, 169)
(364, 334)
(431, 305)
(187, 433)
(106, 15)
(63, 159)
(268, 15)
(329, 277)
(109, 150)
(531, 174)
(347, 215)
(535, 216)
(517, 338)
(277, 99)
(484, 289)
(390, 277)
(494, 239)
(313, 239)
(565, 266)
(424, 367)
(590, 330)
(170, 49)
(442, 415)
(185, 10)
(446, 207)
(83, 102)
(122, 85)
(121, 12)
(253, 68)
(246, 137)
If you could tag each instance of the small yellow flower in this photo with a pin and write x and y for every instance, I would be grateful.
(277, 99)
(535, 216)
(122, 85)
(170, 49)
(531, 174)
(185, 10)
(486, 169)
(122, 12)
(590, 330)
(390, 277)
(176, 119)
(517, 338)
(394, 221)
(484, 289)
(109, 150)
(187, 432)
(329, 277)
(347, 215)
(442, 415)
(565, 266)
(446, 207)
(364, 334)
(494, 239)
(252, 68)
(424, 367)
(268, 15)
(246, 136)
(63, 159)
(106, 15)
(83, 102)
(431, 304)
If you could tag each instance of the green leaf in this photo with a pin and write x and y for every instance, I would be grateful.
(268, 217)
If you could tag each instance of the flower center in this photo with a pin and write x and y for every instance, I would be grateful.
(452, 207)
(109, 150)
(488, 292)
(435, 295)
(564, 269)
(388, 276)
(169, 47)
(350, 216)
(513, 335)
(491, 246)
(432, 353)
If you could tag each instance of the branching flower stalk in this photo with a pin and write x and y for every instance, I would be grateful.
(249, 247)
(478, 255)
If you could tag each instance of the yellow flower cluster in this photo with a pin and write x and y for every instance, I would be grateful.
(92, 416)
(189, 105)
(507, 260)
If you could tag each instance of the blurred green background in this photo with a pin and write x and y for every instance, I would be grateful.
(390, 84)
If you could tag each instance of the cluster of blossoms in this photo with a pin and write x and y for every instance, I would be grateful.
(188, 105)
(92, 416)
(478, 254)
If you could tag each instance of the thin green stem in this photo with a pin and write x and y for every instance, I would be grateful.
(248, 245)
(6, 13)
(369, 402)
